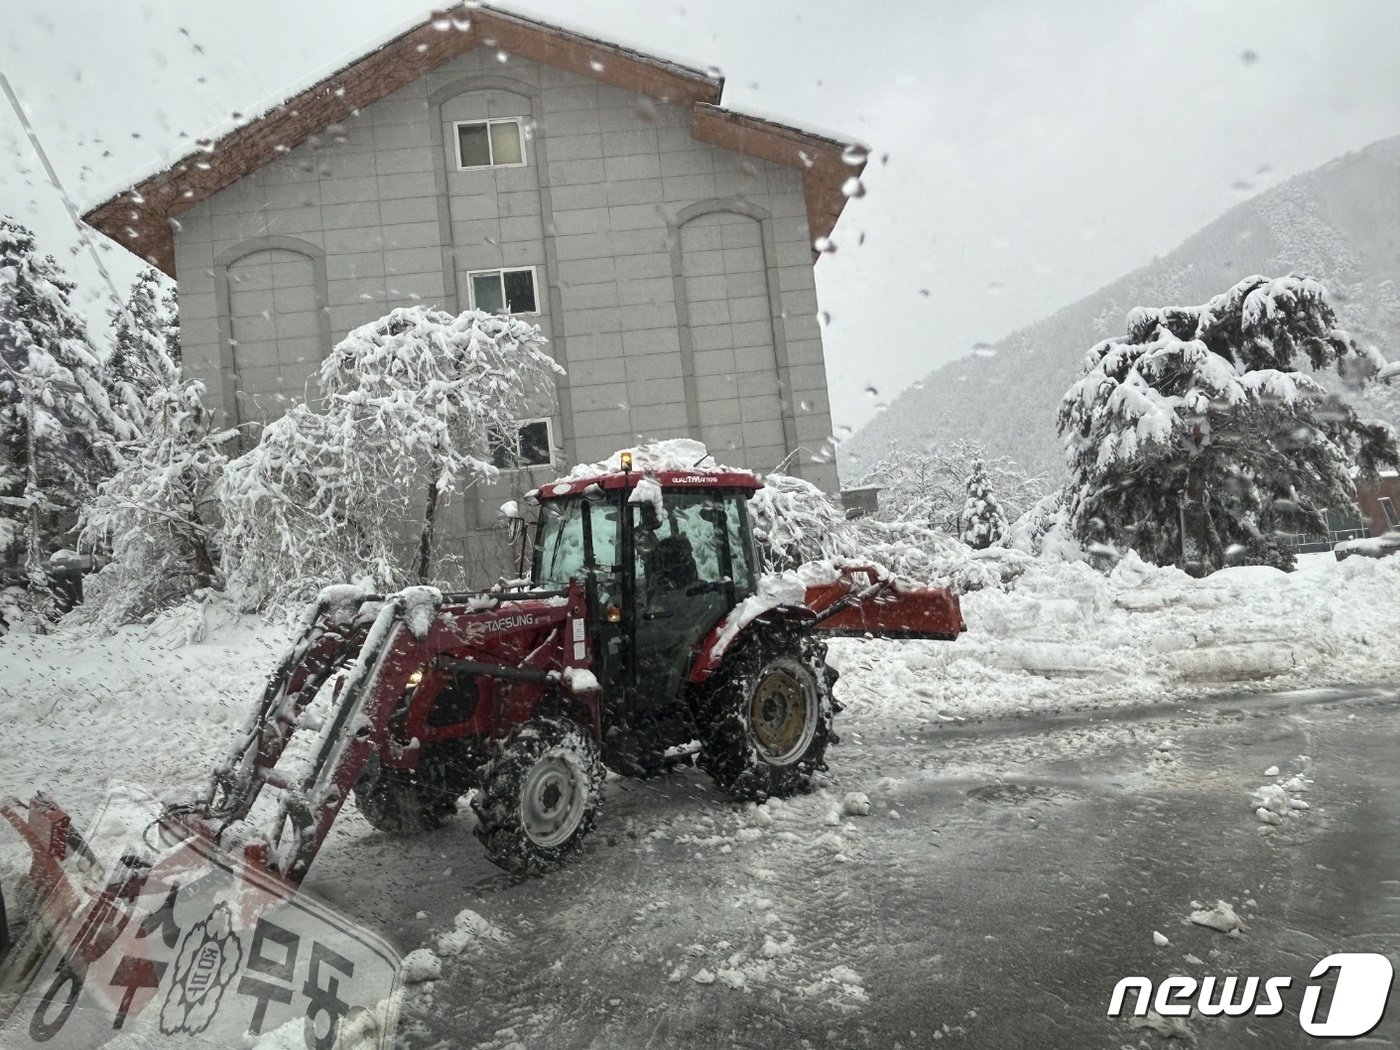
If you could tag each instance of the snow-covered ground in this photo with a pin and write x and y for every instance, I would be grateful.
(148, 706)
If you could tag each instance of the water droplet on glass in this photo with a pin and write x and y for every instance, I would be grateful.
(714, 72)
(1249, 57)
(501, 56)
(870, 391)
(806, 406)
(984, 350)
(924, 292)
(461, 23)
(595, 65)
(853, 187)
(855, 154)
(824, 244)
(442, 23)
(421, 49)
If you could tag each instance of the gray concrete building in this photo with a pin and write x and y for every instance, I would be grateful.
(663, 244)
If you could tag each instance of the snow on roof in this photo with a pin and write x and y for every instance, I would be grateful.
(674, 454)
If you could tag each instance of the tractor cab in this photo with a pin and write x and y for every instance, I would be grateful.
(662, 557)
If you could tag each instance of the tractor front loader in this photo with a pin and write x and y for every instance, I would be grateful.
(644, 627)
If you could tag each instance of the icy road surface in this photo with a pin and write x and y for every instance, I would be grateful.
(1008, 875)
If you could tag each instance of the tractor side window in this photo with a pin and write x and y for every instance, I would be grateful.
(561, 542)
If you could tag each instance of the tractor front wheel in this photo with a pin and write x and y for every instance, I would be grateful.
(766, 716)
(397, 801)
(540, 796)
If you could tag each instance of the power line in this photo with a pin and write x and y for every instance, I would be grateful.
(78, 225)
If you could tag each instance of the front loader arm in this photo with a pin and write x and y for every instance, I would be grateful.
(377, 651)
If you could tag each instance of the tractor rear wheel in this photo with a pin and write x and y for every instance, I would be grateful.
(766, 716)
(397, 801)
(540, 796)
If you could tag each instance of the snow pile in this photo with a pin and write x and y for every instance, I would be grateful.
(1063, 634)
(469, 931)
(1274, 803)
(856, 804)
(1221, 917)
(420, 965)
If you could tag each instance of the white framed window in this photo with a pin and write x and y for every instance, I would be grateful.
(489, 143)
(1392, 519)
(531, 444)
(509, 291)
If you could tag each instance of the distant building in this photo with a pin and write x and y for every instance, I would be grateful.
(663, 244)
(1379, 501)
(861, 502)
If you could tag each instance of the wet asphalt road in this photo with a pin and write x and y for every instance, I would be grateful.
(1027, 869)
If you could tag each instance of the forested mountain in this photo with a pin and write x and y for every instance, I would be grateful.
(1339, 223)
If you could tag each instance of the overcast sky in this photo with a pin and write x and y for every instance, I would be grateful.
(1025, 153)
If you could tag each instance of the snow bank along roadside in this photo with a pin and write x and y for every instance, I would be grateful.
(1065, 635)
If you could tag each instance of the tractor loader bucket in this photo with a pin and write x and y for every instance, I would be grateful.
(866, 600)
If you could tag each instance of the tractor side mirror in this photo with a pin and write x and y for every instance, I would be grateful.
(515, 521)
(516, 530)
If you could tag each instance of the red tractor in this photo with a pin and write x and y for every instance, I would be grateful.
(643, 627)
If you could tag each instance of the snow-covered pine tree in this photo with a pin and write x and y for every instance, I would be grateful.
(57, 424)
(145, 355)
(982, 522)
(157, 514)
(1195, 438)
(410, 403)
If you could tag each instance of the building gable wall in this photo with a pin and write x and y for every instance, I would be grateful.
(659, 261)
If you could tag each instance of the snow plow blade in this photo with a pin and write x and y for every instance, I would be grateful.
(865, 600)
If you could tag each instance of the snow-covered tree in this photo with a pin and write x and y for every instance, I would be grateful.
(1195, 436)
(411, 402)
(794, 521)
(145, 353)
(57, 424)
(928, 484)
(982, 521)
(157, 515)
